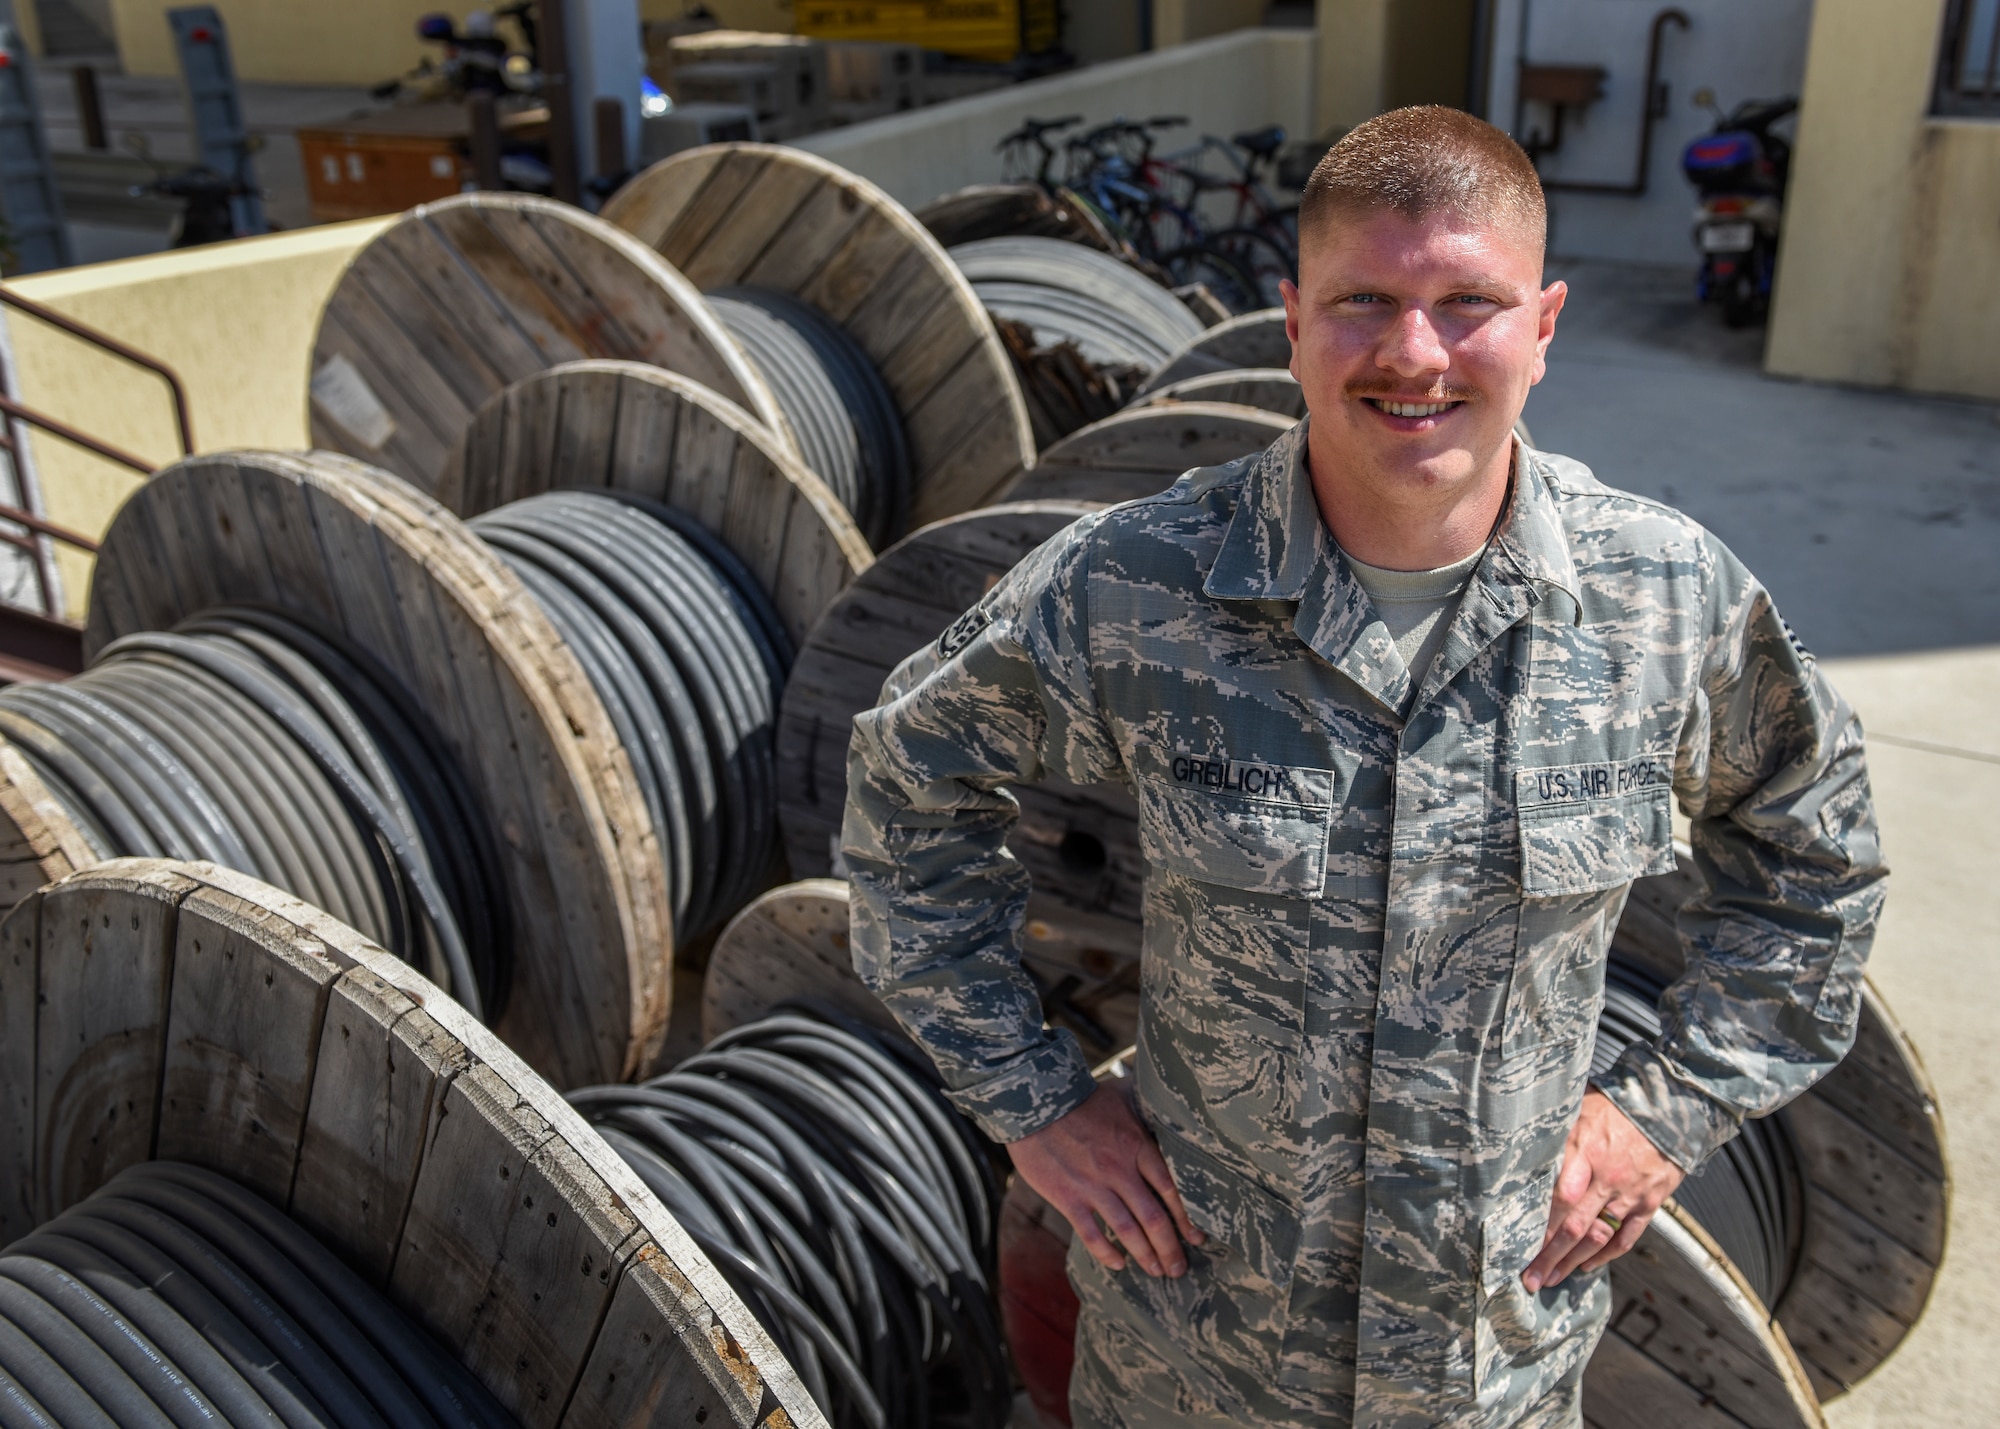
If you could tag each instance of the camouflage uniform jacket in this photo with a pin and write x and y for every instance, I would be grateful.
(1374, 946)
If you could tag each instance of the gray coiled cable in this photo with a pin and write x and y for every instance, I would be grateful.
(1115, 315)
(683, 648)
(175, 1299)
(246, 738)
(840, 409)
(1748, 1195)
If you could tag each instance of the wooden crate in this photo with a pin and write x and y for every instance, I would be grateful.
(395, 160)
(976, 29)
(364, 168)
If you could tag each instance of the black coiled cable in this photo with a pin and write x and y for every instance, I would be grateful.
(249, 739)
(849, 1203)
(1749, 1195)
(849, 430)
(683, 647)
(173, 1298)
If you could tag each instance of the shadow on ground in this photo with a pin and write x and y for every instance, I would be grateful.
(1872, 516)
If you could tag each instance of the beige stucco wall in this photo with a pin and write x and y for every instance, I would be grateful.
(1175, 22)
(1353, 63)
(291, 41)
(1889, 274)
(236, 320)
(1223, 84)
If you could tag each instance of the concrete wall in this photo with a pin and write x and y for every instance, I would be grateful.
(1232, 82)
(1351, 73)
(1175, 22)
(236, 320)
(1890, 270)
(1741, 49)
(291, 41)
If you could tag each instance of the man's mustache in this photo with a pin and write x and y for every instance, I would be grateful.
(1436, 392)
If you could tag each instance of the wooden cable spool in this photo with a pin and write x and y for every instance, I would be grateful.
(460, 298)
(1080, 844)
(173, 1011)
(765, 216)
(1142, 450)
(629, 427)
(1871, 1148)
(357, 553)
(1247, 340)
(997, 210)
(1268, 389)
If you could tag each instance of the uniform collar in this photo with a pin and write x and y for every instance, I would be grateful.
(1278, 548)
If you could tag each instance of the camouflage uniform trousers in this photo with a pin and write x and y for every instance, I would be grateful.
(1199, 1352)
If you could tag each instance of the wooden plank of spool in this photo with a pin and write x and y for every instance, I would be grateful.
(462, 297)
(1142, 450)
(1268, 389)
(635, 428)
(781, 218)
(39, 843)
(429, 1156)
(1248, 340)
(357, 553)
(1878, 1186)
(791, 942)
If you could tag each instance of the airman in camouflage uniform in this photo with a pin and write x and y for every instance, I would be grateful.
(1374, 943)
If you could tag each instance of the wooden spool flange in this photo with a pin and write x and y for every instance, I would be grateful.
(1081, 845)
(1142, 450)
(151, 1009)
(629, 427)
(1268, 389)
(1247, 340)
(773, 217)
(39, 842)
(356, 552)
(1871, 1149)
(460, 298)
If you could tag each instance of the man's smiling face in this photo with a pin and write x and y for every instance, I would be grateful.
(1416, 341)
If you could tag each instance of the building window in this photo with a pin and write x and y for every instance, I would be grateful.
(1969, 63)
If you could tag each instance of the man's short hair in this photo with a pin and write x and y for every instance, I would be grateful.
(1426, 160)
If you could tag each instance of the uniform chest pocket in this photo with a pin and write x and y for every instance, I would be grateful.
(1602, 836)
(1578, 855)
(1259, 828)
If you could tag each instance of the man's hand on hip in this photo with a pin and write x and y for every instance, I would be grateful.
(1098, 1163)
(1609, 1169)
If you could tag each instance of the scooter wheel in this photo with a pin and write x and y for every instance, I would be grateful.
(1740, 301)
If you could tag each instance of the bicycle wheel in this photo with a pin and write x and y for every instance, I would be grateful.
(1281, 226)
(1263, 261)
(1202, 263)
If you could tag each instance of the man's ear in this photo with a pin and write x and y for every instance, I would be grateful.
(1552, 300)
(1290, 293)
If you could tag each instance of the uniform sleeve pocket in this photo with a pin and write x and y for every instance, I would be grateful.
(1260, 845)
(1237, 1215)
(1594, 845)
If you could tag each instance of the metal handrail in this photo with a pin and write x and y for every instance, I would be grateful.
(116, 348)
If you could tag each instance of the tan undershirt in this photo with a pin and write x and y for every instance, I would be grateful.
(1417, 606)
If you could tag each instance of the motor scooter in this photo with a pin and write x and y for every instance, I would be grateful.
(1739, 172)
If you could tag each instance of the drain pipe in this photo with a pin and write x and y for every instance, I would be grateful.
(1656, 108)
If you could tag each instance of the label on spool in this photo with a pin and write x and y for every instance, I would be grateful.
(344, 398)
